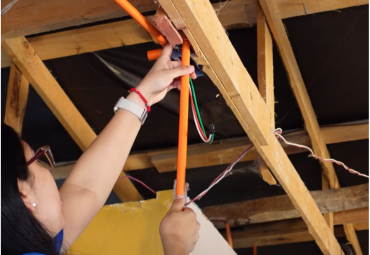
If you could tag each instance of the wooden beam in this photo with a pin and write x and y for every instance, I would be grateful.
(351, 236)
(238, 89)
(329, 217)
(33, 17)
(361, 226)
(16, 99)
(42, 16)
(299, 89)
(87, 39)
(226, 151)
(274, 233)
(265, 67)
(352, 216)
(281, 208)
(223, 152)
(265, 81)
(235, 14)
(56, 99)
(283, 232)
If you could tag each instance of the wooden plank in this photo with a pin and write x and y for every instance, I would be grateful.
(281, 208)
(87, 39)
(235, 84)
(329, 217)
(265, 68)
(351, 236)
(16, 99)
(235, 14)
(36, 16)
(361, 226)
(166, 27)
(105, 36)
(225, 152)
(274, 233)
(293, 8)
(265, 81)
(352, 216)
(344, 133)
(285, 231)
(56, 99)
(32, 17)
(299, 89)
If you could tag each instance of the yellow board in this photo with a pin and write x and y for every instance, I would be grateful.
(126, 228)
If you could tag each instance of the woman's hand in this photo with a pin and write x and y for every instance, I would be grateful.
(179, 229)
(164, 76)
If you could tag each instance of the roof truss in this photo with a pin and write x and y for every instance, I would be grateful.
(222, 65)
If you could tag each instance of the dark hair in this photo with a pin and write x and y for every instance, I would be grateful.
(21, 232)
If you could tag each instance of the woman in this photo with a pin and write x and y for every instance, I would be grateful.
(37, 218)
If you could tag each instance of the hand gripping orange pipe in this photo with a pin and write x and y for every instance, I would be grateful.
(183, 125)
(135, 14)
(228, 234)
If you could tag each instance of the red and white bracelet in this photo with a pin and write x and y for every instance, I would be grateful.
(142, 97)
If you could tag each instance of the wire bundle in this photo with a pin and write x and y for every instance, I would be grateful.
(221, 175)
(278, 132)
(198, 119)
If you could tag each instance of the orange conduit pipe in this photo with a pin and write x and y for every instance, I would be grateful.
(154, 54)
(135, 14)
(228, 234)
(183, 123)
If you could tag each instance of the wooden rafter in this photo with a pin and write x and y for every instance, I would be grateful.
(279, 232)
(224, 152)
(299, 89)
(227, 72)
(291, 231)
(265, 75)
(235, 14)
(16, 99)
(361, 226)
(32, 67)
(281, 208)
(53, 14)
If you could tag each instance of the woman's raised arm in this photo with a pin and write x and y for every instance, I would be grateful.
(90, 182)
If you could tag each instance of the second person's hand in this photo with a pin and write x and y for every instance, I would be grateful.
(179, 229)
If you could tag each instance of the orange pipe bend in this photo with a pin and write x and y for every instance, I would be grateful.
(228, 234)
(183, 123)
(135, 14)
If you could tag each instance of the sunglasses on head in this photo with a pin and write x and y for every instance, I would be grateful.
(44, 156)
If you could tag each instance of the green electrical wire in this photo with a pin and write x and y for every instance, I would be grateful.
(197, 110)
(196, 104)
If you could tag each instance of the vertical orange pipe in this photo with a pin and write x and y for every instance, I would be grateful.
(228, 234)
(135, 14)
(183, 124)
(254, 249)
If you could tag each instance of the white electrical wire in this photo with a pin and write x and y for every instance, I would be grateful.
(278, 133)
(218, 179)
